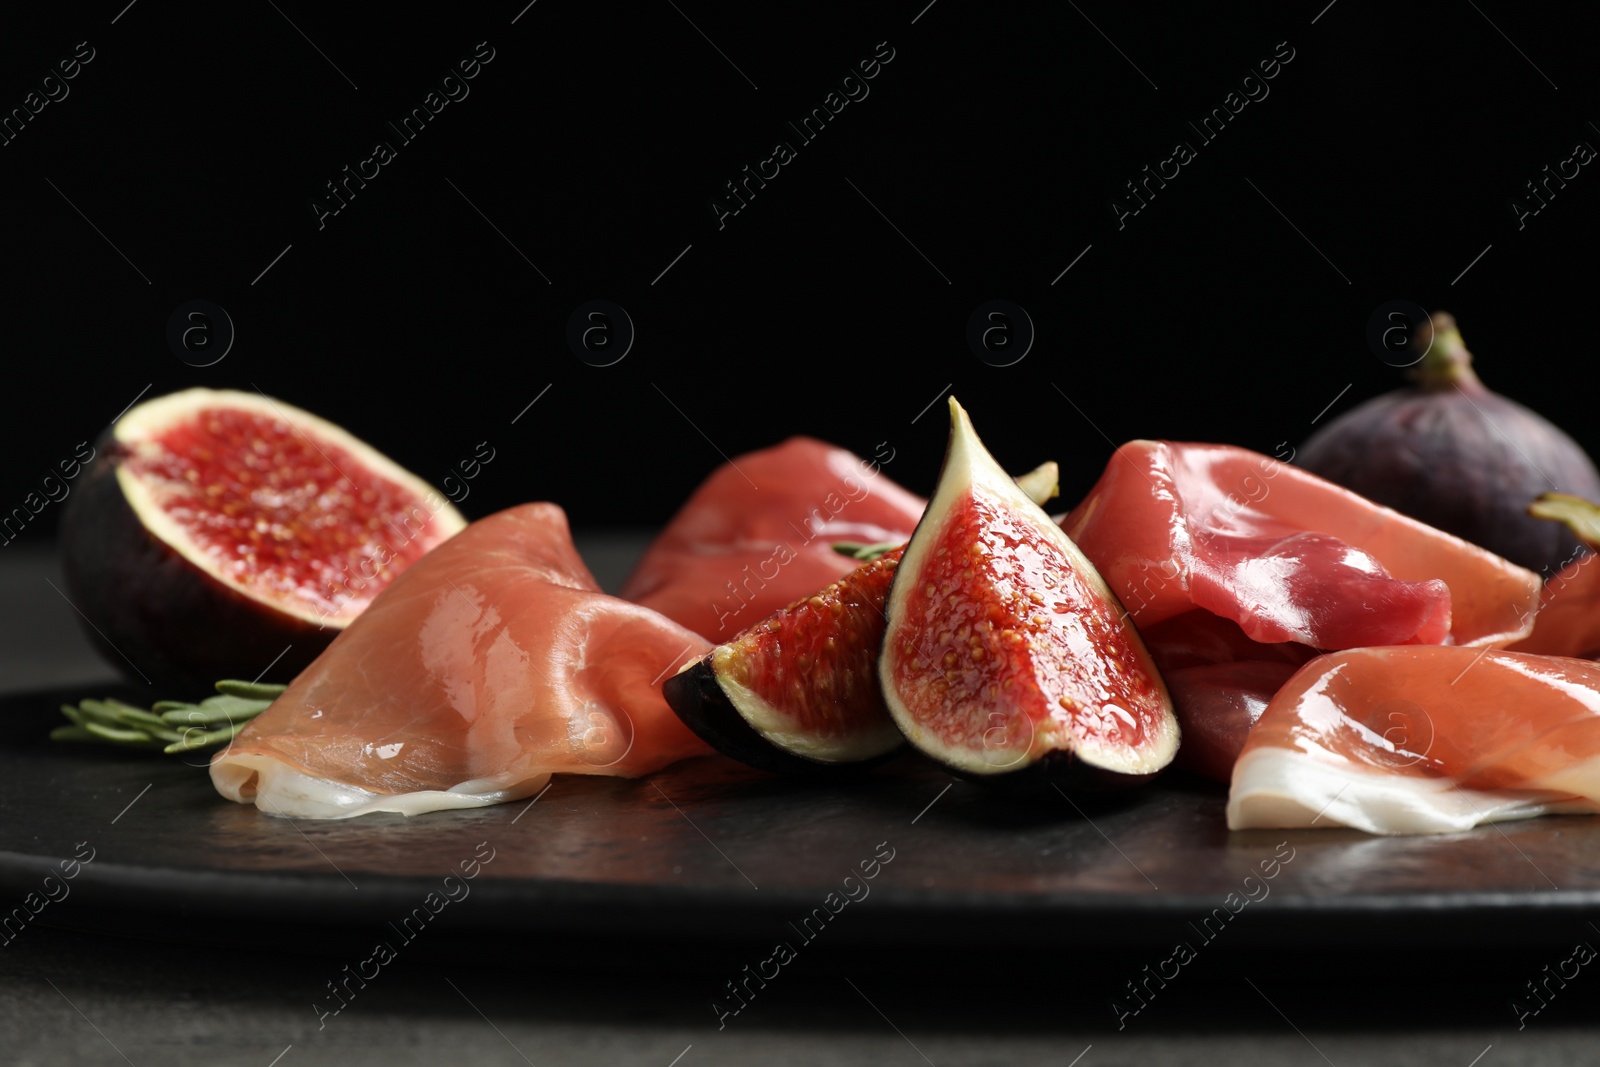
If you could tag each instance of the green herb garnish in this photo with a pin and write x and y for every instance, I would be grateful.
(170, 725)
(866, 553)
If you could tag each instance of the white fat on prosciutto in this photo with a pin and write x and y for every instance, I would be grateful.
(488, 665)
(1422, 740)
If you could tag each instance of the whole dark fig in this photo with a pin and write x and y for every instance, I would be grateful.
(1449, 452)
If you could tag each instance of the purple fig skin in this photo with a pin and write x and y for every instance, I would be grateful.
(697, 698)
(156, 616)
(157, 602)
(1453, 454)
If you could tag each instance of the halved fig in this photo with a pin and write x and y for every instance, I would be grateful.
(223, 532)
(1006, 656)
(797, 693)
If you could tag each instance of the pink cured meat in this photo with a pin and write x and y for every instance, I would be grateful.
(491, 663)
(1217, 707)
(757, 534)
(1416, 739)
(1220, 682)
(1568, 623)
(1287, 555)
(1199, 638)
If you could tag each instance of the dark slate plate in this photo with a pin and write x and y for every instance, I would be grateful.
(708, 849)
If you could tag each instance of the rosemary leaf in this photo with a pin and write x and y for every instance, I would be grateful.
(198, 739)
(216, 710)
(866, 553)
(112, 733)
(251, 690)
(98, 711)
(128, 715)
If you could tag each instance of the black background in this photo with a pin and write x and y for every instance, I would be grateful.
(1389, 148)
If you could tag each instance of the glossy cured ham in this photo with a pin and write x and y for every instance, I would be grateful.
(758, 533)
(1286, 555)
(1568, 623)
(1220, 682)
(1413, 740)
(492, 663)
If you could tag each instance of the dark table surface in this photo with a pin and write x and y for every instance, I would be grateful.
(139, 987)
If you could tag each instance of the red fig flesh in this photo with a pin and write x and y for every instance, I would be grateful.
(1006, 655)
(221, 529)
(798, 692)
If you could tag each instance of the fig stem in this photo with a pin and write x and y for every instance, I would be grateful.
(1446, 362)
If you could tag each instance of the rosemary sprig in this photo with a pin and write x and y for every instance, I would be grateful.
(866, 553)
(170, 725)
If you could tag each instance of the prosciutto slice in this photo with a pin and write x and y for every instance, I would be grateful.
(1220, 682)
(1415, 740)
(490, 664)
(758, 534)
(1568, 623)
(1287, 555)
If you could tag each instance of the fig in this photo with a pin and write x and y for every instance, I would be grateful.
(226, 532)
(1449, 452)
(797, 693)
(1006, 657)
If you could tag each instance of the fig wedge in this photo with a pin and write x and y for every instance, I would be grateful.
(798, 693)
(1006, 656)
